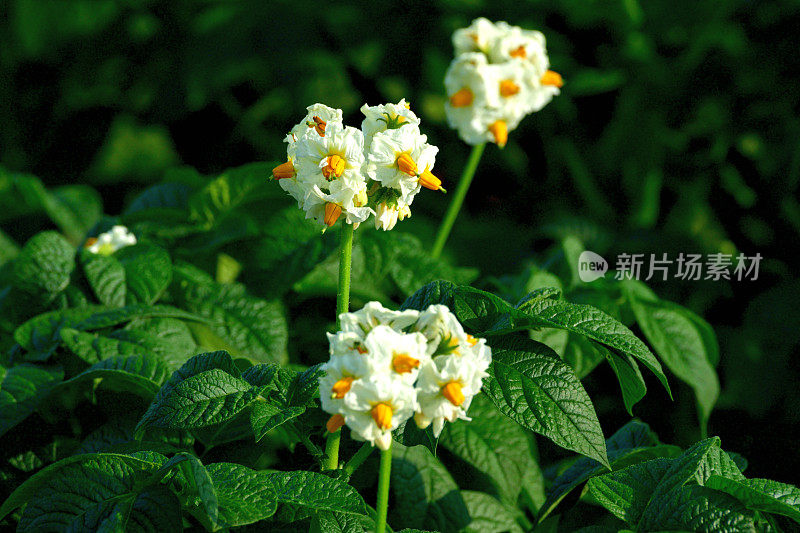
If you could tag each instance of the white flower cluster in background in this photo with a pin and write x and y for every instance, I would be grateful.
(335, 170)
(387, 366)
(109, 242)
(500, 74)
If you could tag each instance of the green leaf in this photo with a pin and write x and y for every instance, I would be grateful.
(244, 496)
(626, 493)
(530, 384)
(696, 508)
(235, 187)
(44, 266)
(495, 446)
(488, 515)
(302, 494)
(290, 248)
(41, 334)
(424, 493)
(538, 311)
(435, 292)
(682, 346)
(22, 388)
(141, 375)
(74, 209)
(78, 491)
(200, 484)
(331, 522)
(201, 400)
(632, 443)
(93, 347)
(252, 327)
(106, 277)
(631, 381)
(265, 417)
(761, 494)
(148, 272)
(658, 494)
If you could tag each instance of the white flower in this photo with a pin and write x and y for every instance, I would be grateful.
(339, 155)
(499, 75)
(374, 408)
(317, 118)
(328, 175)
(326, 208)
(386, 116)
(341, 371)
(399, 158)
(442, 329)
(111, 241)
(514, 43)
(374, 314)
(445, 390)
(396, 354)
(477, 37)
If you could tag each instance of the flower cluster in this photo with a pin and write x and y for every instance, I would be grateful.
(387, 366)
(499, 75)
(109, 242)
(333, 169)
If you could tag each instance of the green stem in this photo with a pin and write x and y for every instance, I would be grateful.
(384, 476)
(345, 257)
(458, 199)
(358, 458)
(332, 450)
(342, 306)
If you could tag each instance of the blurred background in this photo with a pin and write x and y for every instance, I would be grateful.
(677, 130)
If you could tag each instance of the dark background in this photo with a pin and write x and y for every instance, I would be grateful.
(677, 131)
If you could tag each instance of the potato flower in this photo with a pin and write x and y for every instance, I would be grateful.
(386, 366)
(500, 74)
(334, 170)
(109, 242)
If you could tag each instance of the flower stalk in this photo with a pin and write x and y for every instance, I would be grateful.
(384, 476)
(342, 306)
(458, 199)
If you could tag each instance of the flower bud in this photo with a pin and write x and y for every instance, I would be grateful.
(332, 212)
(286, 170)
(552, 78)
(334, 423)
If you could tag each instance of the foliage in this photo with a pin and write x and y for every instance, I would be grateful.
(173, 384)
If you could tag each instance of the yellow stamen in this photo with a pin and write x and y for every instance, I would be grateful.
(452, 391)
(499, 129)
(341, 387)
(319, 125)
(472, 340)
(332, 212)
(334, 423)
(89, 242)
(519, 52)
(552, 78)
(508, 88)
(285, 170)
(429, 181)
(406, 164)
(360, 349)
(408, 105)
(462, 98)
(382, 415)
(402, 363)
(334, 166)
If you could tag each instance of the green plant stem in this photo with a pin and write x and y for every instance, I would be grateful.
(345, 258)
(358, 458)
(342, 306)
(332, 450)
(384, 475)
(458, 199)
